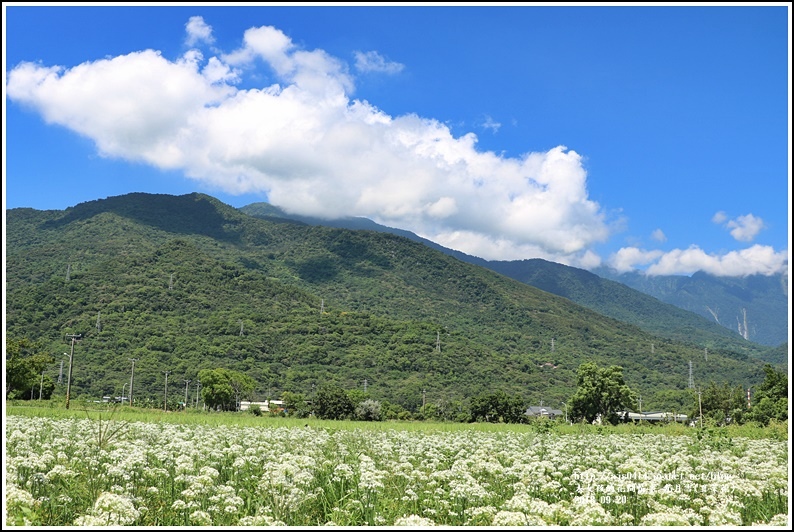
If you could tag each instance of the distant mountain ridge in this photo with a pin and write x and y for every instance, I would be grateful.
(644, 304)
(756, 306)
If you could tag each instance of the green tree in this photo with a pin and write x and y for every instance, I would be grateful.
(357, 396)
(771, 397)
(368, 410)
(720, 403)
(24, 367)
(600, 392)
(295, 404)
(333, 402)
(224, 388)
(498, 407)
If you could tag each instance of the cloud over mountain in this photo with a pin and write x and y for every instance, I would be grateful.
(303, 140)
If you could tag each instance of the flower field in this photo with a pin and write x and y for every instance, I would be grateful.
(82, 472)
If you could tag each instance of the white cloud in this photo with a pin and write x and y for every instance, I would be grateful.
(316, 151)
(198, 31)
(756, 259)
(659, 235)
(374, 62)
(630, 258)
(745, 228)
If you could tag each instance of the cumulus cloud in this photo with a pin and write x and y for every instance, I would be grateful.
(745, 228)
(374, 62)
(742, 228)
(198, 31)
(756, 259)
(314, 150)
(630, 258)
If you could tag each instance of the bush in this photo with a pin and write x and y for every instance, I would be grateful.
(369, 410)
(255, 410)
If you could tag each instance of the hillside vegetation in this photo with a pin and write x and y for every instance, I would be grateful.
(184, 283)
(675, 307)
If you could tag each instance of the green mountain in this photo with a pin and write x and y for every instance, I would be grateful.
(183, 283)
(661, 313)
(755, 306)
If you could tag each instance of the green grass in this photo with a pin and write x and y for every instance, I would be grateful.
(776, 431)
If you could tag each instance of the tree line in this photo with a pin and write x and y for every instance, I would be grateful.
(601, 394)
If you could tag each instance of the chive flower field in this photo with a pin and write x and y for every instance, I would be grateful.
(78, 472)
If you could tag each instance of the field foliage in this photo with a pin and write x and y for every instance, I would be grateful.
(103, 468)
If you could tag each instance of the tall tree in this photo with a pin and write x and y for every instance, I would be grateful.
(24, 366)
(333, 402)
(722, 403)
(223, 388)
(600, 392)
(771, 397)
(498, 407)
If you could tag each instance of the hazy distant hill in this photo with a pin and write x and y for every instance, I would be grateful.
(622, 301)
(755, 306)
(183, 283)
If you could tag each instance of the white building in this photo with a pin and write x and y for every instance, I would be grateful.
(264, 406)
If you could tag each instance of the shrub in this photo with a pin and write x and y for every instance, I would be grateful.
(369, 410)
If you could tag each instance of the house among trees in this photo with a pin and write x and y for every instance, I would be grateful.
(542, 411)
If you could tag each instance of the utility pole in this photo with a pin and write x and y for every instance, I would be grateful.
(552, 345)
(69, 375)
(60, 373)
(700, 407)
(706, 353)
(198, 383)
(241, 327)
(41, 384)
(322, 306)
(365, 385)
(424, 402)
(165, 400)
(68, 272)
(171, 282)
(438, 341)
(187, 381)
(132, 377)
(691, 380)
(651, 347)
(640, 398)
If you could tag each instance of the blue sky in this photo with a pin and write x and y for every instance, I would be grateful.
(647, 137)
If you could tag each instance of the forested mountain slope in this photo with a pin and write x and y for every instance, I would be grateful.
(183, 283)
(611, 298)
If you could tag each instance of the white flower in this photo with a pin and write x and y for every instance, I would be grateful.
(113, 509)
(200, 518)
(413, 520)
